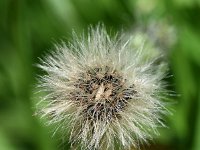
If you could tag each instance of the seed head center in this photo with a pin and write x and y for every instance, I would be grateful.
(102, 93)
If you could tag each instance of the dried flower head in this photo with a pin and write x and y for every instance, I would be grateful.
(102, 92)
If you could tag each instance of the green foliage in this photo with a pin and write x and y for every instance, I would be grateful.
(28, 29)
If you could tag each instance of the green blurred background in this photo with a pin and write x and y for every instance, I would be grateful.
(28, 29)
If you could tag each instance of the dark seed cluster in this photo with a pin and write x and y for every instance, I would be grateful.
(102, 94)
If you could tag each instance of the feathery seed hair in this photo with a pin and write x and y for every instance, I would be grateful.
(102, 92)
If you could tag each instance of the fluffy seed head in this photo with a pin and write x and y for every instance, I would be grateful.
(102, 92)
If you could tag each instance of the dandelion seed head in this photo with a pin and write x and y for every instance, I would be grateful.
(102, 92)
